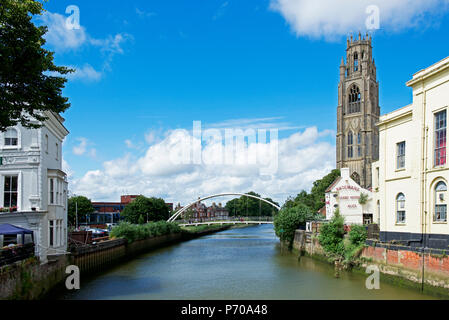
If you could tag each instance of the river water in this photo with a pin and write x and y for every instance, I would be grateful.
(246, 263)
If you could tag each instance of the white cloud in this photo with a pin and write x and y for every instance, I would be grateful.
(144, 14)
(85, 73)
(221, 10)
(82, 148)
(61, 37)
(303, 158)
(331, 19)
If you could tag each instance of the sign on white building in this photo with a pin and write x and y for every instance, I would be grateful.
(345, 195)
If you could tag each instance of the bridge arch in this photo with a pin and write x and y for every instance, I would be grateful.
(177, 214)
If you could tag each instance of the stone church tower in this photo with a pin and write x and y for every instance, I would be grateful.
(358, 111)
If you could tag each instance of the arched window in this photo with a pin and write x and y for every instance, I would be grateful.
(356, 177)
(440, 214)
(359, 144)
(400, 208)
(356, 62)
(11, 137)
(350, 143)
(354, 99)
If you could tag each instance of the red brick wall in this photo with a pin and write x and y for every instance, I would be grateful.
(408, 259)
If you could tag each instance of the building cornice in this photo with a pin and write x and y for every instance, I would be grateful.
(429, 72)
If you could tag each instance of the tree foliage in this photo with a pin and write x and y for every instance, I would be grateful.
(84, 208)
(30, 82)
(134, 232)
(288, 220)
(358, 235)
(246, 206)
(332, 234)
(154, 208)
(315, 200)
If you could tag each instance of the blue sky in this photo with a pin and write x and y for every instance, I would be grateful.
(149, 67)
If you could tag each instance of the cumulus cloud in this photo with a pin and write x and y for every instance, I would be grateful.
(303, 157)
(331, 19)
(61, 37)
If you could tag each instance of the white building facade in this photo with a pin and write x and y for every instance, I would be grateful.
(410, 179)
(33, 186)
(344, 194)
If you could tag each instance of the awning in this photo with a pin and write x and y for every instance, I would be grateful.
(9, 229)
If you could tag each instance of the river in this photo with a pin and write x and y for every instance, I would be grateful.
(245, 263)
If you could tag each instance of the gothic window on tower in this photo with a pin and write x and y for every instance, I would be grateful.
(359, 144)
(350, 143)
(356, 177)
(356, 62)
(354, 100)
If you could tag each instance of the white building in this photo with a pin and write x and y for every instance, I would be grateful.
(344, 194)
(411, 177)
(31, 179)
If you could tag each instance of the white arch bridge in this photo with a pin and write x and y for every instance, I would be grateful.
(240, 221)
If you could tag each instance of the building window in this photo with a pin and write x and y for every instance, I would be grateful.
(51, 233)
(350, 143)
(354, 99)
(356, 62)
(440, 138)
(11, 138)
(440, 203)
(46, 143)
(359, 142)
(10, 191)
(57, 151)
(400, 208)
(400, 163)
(52, 191)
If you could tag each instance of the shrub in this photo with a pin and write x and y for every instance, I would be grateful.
(363, 198)
(357, 235)
(134, 232)
(332, 234)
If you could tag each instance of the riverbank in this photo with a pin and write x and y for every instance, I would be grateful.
(30, 280)
(235, 264)
(401, 268)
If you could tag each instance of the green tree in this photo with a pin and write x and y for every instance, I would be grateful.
(141, 220)
(84, 208)
(288, 220)
(151, 209)
(29, 80)
(246, 206)
(332, 235)
(315, 200)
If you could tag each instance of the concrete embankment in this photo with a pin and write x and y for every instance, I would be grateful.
(29, 279)
(428, 272)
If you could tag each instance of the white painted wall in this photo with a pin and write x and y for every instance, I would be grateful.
(414, 124)
(34, 166)
(345, 195)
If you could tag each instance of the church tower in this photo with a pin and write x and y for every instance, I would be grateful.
(358, 111)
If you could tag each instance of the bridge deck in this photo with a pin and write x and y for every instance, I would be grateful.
(225, 222)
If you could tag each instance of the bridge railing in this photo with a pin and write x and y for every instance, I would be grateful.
(218, 219)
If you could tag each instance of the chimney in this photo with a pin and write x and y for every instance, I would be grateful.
(344, 173)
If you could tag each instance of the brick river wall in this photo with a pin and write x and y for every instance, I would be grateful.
(397, 264)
